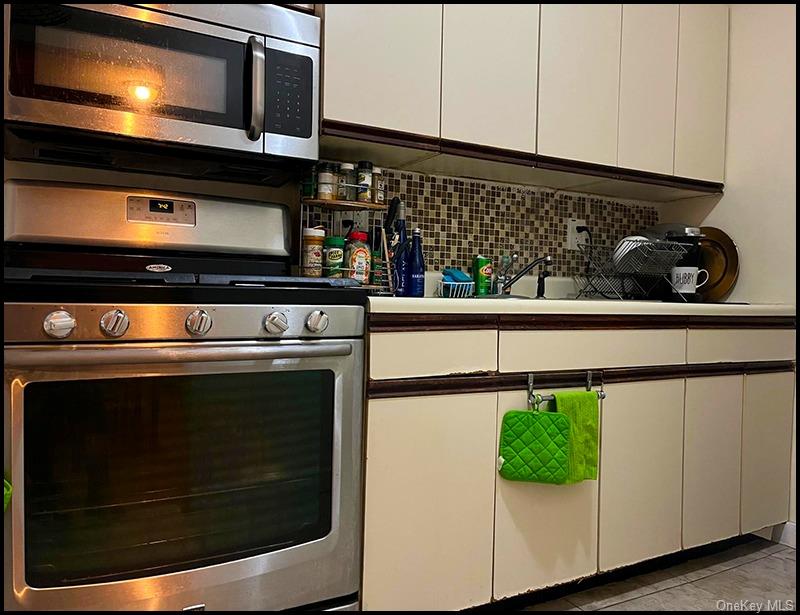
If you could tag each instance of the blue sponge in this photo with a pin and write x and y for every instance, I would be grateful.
(451, 274)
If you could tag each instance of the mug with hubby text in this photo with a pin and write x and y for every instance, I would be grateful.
(684, 279)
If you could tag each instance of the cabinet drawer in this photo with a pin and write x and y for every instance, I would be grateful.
(726, 345)
(522, 351)
(431, 353)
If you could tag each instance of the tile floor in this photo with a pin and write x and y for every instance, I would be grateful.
(739, 577)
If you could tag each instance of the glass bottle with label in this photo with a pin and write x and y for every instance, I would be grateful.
(327, 181)
(365, 181)
(357, 257)
(378, 186)
(416, 266)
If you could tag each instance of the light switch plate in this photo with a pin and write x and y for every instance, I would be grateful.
(573, 236)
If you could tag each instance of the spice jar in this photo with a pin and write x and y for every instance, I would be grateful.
(333, 255)
(312, 252)
(378, 186)
(365, 181)
(357, 257)
(348, 182)
(327, 181)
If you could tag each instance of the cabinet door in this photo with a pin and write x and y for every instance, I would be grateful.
(382, 65)
(489, 74)
(702, 92)
(766, 449)
(579, 55)
(648, 72)
(429, 502)
(544, 534)
(712, 456)
(640, 472)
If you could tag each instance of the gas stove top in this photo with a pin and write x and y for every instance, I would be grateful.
(81, 274)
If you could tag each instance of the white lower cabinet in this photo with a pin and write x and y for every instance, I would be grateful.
(429, 503)
(544, 534)
(766, 449)
(712, 457)
(641, 456)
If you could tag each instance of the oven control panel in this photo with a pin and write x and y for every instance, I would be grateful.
(161, 211)
(35, 322)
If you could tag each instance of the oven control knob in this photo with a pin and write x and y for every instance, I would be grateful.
(114, 323)
(59, 324)
(276, 323)
(199, 322)
(317, 321)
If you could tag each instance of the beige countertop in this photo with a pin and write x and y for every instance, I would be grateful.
(437, 305)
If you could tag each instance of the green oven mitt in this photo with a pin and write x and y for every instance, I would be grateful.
(534, 447)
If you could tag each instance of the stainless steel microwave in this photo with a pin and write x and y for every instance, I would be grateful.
(239, 77)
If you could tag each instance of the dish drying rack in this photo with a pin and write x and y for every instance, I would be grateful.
(629, 270)
(332, 214)
(455, 290)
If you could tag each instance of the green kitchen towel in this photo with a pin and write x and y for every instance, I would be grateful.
(6, 494)
(582, 409)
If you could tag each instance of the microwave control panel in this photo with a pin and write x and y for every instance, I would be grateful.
(289, 94)
(161, 211)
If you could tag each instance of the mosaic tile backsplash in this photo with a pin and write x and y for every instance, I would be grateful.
(460, 218)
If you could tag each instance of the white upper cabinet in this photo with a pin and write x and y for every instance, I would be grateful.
(579, 57)
(489, 74)
(382, 65)
(648, 74)
(702, 92)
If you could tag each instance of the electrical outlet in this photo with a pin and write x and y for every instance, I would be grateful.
(573, 236)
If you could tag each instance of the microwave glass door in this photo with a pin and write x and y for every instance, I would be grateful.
(148, 65)
(133, 477)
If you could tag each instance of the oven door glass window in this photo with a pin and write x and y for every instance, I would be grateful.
(134, 477)
(83, 57)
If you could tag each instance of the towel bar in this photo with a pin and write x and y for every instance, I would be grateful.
(532, 397)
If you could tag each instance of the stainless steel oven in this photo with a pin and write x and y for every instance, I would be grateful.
(231, 76)
(182, 456)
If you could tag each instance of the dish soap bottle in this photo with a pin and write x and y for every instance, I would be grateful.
(416, 266)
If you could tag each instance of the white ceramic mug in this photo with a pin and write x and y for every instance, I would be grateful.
(684, 279)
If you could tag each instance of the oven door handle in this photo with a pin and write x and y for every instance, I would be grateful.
(257, 88)
(72, 356)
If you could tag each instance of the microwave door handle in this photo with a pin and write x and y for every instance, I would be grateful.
(257, 91)
(168, 353)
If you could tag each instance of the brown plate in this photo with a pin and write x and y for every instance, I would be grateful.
(720, 257)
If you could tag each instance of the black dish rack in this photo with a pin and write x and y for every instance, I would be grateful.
(629, 270)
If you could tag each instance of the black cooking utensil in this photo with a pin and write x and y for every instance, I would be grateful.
(394, 205)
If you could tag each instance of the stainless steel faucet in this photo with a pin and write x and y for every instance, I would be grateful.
(507, 284)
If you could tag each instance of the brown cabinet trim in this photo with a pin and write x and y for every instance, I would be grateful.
(334, 128)
(429, 143)
(385, 323)
(493, 381)
(636, 321)
(634, 175)
(382, 323)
